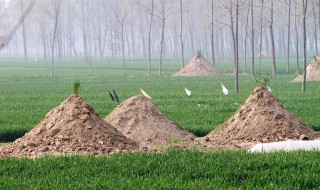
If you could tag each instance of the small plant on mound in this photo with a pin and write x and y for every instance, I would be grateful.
(76, 87)
(262, 80)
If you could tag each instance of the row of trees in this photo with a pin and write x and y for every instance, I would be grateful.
(247, 30)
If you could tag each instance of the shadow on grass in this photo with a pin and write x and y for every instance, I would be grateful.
(11, 135)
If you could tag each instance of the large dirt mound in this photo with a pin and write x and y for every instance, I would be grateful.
(198, 66)
(313, 71)
(139, 119)
(71, 128)
(260, 119)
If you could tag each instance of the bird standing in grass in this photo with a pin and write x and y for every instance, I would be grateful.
(225, 91)
(188, 92)
(144, 93)
(111, 96)
(115, 96)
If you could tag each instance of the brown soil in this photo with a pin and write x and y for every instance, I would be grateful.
(139, 119)
(313, 71)
(198, 66)
(260, 119)
(71, 128)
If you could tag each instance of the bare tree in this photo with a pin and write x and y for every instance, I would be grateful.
(252, 39)
(261, 34)
(274, 69)
(235, 33)
(121, 14)
(164, 12)
(304, 15)
(149, 37)
(4, 41)
(246, 39)
(289, 32)
(24, 38)
(56, 4)
(212, 34)
(296, 37)
(181, 37)
(315, 27)
(237, 49)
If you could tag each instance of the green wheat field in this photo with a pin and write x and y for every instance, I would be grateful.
(27, 93)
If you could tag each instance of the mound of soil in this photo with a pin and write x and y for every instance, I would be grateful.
(198, 66)
(71, 128)
(260, 119)
(313, 71)
(139, 119)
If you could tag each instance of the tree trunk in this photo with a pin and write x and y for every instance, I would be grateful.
(122, 46)
(56, 18)
(161, 46)
(315, 28)
(245, 41)
(274, 69)
(297, 38)
(289, 31)
(252, 40)
(212, 34)
(23, 31)
(181, 38)
(149, 39)
(237, 49)
(260, 44)
(234, 33)
(305, 4)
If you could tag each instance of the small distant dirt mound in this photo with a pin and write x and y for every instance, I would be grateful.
(139, 119)
(260, 119)
(198, 66)
(71, 128)
(313, 71)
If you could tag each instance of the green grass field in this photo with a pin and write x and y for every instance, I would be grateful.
(27, 93)
(171, 170)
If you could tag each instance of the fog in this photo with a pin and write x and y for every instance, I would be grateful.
(120, 29)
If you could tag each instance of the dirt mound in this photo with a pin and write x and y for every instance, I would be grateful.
(139, 119)
(198, 66)
(260, 119)
(71, 128)
(313, 71)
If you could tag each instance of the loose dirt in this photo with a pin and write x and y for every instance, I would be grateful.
(260, 119)
(313, 71)
(198, 66)
(71, 128)
(139, 119)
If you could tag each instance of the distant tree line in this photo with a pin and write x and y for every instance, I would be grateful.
(246, 30)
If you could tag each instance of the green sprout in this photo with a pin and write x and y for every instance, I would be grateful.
(75, 89)
(262, 80)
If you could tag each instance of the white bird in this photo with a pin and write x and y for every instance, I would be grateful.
(224, 90)
(269, 89)
(188, 92)
(144, 93)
